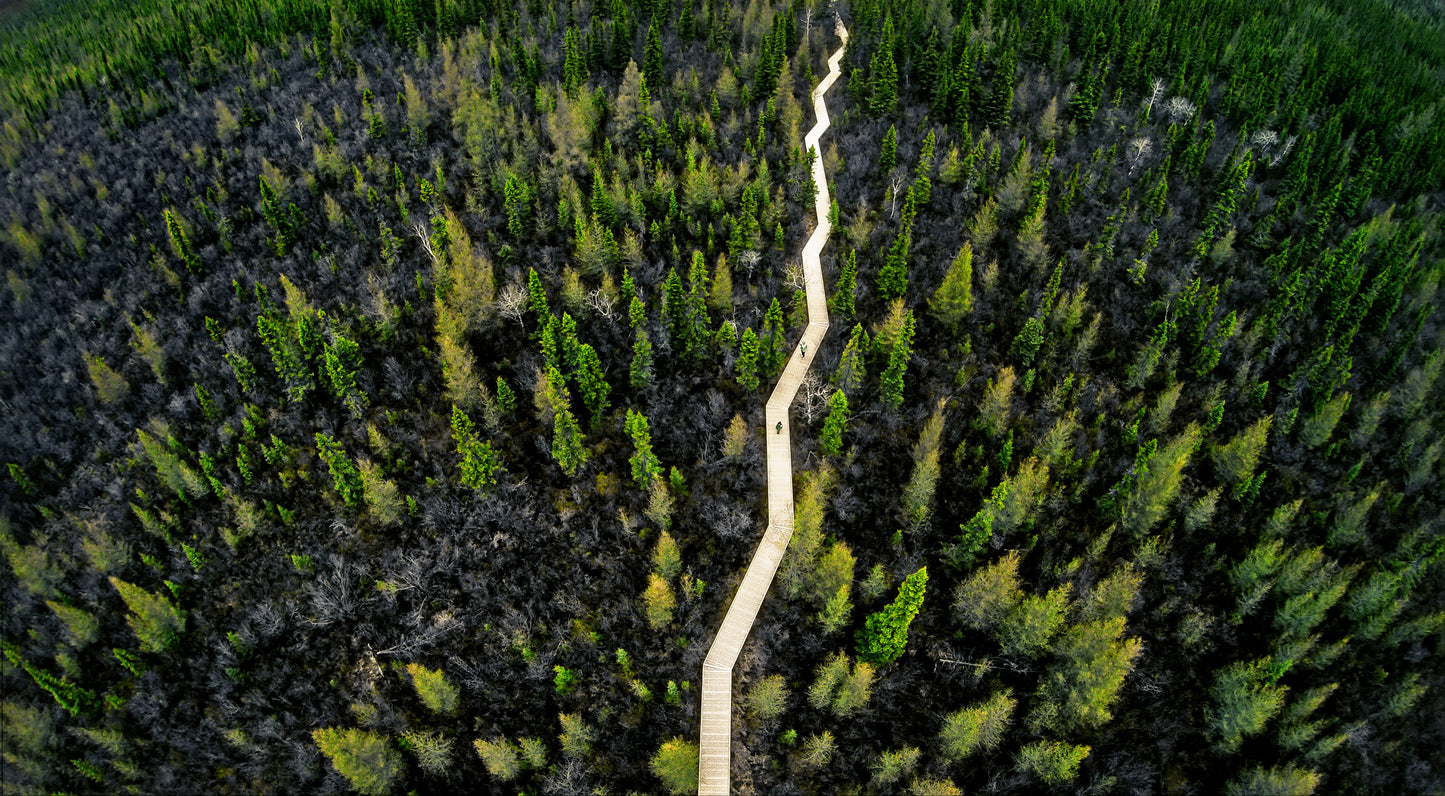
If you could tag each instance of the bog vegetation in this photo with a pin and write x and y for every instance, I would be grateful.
(382, 381)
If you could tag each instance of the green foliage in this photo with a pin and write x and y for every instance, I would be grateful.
(989, 595)
(1244, 699)
(851, 368)
(768, 698)
(892, 765)
(576, 736)
(893, 276)
(953, 300)
(659, 601)
(1052, 762)
(500, 758)
(676, 765)
(835, 687)
(1026, 345)
(76, 700)
(994, 410)
(1284, 780)
(156, 620)
(1028, 629)
(435, 692)
(564, 680)
(841, 299)
(885, 634)
(891, 393)
(432, 749)
(344, 473)
(977, 729)
(1156, 480)
(480, 464)
(32, 564)
(1079, 690)
(366, 759)
(831, 438)
(888, 154)
(645, 466)
(746, 367)
(342, 357)
(568, 443)
(818, 750)
(918, 494)
(666, 557)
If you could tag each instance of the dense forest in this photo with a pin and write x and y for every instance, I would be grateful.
(382, 382)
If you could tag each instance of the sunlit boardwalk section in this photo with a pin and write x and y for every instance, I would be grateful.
(715, 736)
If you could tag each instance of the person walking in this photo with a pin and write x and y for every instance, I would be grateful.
(805, 350)
(780, 426)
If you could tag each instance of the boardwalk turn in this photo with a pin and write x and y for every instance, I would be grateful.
(715, 735)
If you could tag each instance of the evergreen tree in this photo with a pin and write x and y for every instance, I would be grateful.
(574, 62)
(746, 367)
(342, 357)
(999, 107)
(480, 465)
(156, 620)
(537, 297)
(774, 340)
(343, 470)
(592, 382)
(645, 465)
(831, 440)
(568, 444)
(892, 380)
(675, 311)
(699, 325)
(979, 728)
(640, 371)
(893, 276)
(885, 635)
(652, 68)
(841, 301)
(883, 74)
(181, 243)
(888, 155)
(851, 368)
(516, 201)
(366, 759)
(954, 298)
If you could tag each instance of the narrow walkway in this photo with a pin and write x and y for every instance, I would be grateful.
(715, 736)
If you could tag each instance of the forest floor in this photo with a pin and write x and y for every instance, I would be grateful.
(715, 730)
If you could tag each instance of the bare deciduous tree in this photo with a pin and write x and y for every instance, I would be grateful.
(1180, 110)
(1138, 150)
(512, 302)
(1156, 90)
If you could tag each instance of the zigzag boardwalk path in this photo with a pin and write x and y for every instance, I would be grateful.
(715, 735)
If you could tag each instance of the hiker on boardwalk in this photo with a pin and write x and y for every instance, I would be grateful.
(780, 426)
(805, 350)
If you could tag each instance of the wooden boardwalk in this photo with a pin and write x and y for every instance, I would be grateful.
(715, 734)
